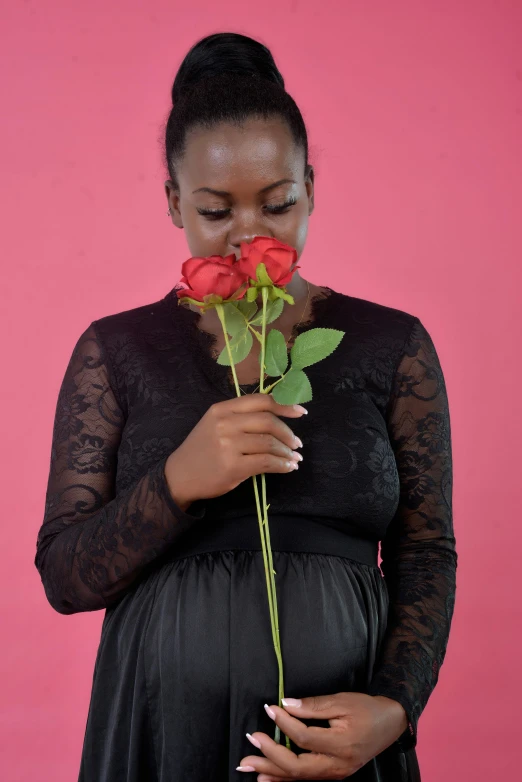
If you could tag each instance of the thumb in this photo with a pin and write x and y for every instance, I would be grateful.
(322, 707)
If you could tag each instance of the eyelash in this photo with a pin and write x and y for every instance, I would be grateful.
(219, 214)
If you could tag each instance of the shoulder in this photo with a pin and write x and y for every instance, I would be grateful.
(158, 315)
(371, 318)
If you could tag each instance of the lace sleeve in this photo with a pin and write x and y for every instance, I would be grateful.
(92, 545)
(419, 560)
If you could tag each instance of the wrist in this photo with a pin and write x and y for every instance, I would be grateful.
(182, 500)
(396, 711)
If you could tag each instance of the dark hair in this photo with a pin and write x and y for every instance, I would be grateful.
(227, 77)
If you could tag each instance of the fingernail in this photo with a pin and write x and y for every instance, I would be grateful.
(291, 701)
(245, 768)
(301, 409)
(270, 712)
(298, 441)
(297, 455)
(253, 741)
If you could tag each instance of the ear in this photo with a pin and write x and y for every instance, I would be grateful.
(172, 192)
(310, 190)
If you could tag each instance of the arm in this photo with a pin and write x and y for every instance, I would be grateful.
(419, 560)
(93, 545)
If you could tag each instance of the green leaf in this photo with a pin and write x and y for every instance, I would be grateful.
(314, 345)
(248, 308)
(240, 346)
(251, 294)
(280, 293)
(262, 276)
(276, 356)
(273, 311)
(293, 389)
(235, 320)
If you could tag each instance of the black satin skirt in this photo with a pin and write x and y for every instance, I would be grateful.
(186, 659)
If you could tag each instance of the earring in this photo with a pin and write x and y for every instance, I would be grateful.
(169, 213)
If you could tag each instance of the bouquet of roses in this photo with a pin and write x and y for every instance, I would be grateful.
(232, 288)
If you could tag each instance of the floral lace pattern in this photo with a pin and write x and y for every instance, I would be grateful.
(418, 551)
(92, 545)
(378, 463)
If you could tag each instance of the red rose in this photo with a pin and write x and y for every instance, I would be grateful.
(213, 275)
(277, 257)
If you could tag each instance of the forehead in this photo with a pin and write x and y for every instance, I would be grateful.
(258, 152)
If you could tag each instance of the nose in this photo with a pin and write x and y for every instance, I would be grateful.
(244, 231)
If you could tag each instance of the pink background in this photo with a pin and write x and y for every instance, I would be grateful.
(415, 117)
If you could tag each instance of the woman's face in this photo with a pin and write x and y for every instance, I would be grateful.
(238, 183)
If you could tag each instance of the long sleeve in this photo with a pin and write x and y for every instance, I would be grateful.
(92, 545)
(419, 559)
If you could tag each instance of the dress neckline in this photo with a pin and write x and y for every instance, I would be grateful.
(202, 343)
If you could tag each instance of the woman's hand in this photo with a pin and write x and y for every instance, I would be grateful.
(361, 726)
(235, 439)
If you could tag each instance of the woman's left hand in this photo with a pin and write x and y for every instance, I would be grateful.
(361, 726)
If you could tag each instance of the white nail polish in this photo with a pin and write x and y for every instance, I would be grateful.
(270, 712)
(253, 741)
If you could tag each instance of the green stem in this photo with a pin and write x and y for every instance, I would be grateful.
(262, 513)
(269, 388)
(264, 293)
(265, 559)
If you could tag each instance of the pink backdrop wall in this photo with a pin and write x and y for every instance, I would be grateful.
(415, 118)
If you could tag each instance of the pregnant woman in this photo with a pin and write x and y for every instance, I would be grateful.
(150, 513)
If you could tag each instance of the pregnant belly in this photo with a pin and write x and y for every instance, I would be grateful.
(209, 629)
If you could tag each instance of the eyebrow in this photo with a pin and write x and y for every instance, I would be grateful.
(263, 189)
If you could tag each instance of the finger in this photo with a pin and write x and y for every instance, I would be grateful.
(264, 443)
(307, 765)
(265, 422)
(322, 707)
(280, 761)
(258, 463)
(252, 403)
(330, 741)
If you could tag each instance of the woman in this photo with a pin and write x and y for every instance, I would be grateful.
(150, 515)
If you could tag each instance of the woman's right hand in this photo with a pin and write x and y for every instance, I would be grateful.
(235, 439)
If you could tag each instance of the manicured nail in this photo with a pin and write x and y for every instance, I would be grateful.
(253, 741)
(301, 409)
(270, 712)
(298, 441)
(291, 701)
(245, 768)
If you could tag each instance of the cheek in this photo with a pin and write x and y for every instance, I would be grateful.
(296, 230)
(301, 235)
(205, 237)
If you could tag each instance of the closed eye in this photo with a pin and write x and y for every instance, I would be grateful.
(220, 214)
(278, 209)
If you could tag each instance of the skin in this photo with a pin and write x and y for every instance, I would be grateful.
(245, 162)
(241, 437)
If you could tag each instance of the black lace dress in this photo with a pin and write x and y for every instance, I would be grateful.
(186, 661)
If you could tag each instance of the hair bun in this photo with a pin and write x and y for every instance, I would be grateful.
(225, 53)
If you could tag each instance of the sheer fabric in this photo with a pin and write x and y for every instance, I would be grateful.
(418, 553)
(378, 464)
(93, 544)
